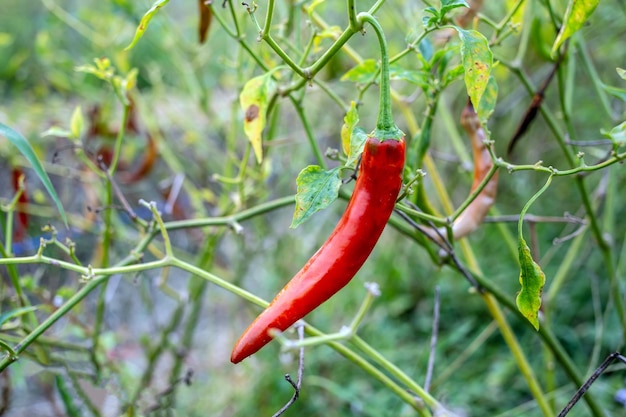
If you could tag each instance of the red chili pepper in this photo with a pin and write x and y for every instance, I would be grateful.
(345, 251)
(22, 216)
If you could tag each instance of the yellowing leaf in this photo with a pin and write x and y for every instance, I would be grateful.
(254, 99)
(488, 101)
(332, 32)
(143, 24)
(362, 73)
(477, 61)
(349, 123)
(317, 189)
(77, 123)
(357, 143)
(577, 13)
(532, 280)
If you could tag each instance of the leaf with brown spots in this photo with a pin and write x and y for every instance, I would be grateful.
(477, 62)
(254, 99)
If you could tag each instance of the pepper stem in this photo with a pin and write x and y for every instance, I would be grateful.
(385, 126)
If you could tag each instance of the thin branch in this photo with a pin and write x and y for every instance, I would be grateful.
(433, 343)
(585, 387)
(298, 384)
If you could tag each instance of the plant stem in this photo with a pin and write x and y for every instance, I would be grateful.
(385, 126)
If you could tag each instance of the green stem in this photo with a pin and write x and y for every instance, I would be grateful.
(354, 24)
(548, 338)
(593, 75)
(385, 126)
(399, 375)
(319, 156)
(529, 203)
(518, 354)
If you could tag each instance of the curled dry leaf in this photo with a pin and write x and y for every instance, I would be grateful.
(475, 213)
(206, 14)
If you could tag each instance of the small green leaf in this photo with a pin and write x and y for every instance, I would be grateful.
(57, 131)
(621, 72)
(143, 24)
(24, 147)
(452, 74)
(102, 69)
(15, 313)
(428, 21)
(357, 143)
(317, 189)
(488, 101)
(349, 123)
(619, 93)
(447, 5)
(77, 123)
(477, 61)
(6, 347)
(254, 100)
(417, 77)
(426, 49)
(576, 14)
(363, 73)
(617, 134)
(532, 280)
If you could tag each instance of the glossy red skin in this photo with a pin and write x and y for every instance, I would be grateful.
(22, 216)
(344, 252)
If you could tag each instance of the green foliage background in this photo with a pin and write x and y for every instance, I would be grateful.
(187, 99)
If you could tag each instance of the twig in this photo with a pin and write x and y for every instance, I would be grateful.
(298, 384)
(531, 218)
(596, 374)
(116, 189)
(433, 343)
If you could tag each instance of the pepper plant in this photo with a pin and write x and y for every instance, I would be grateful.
(196, 146)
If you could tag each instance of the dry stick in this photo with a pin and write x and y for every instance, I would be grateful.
(535, 104)
(596, 374)
(116, 189)
(298, 384)
(433, 343)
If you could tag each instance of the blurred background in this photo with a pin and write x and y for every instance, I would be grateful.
(158, 343)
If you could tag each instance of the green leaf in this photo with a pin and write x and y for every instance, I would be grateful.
(15, 313)
(447, 5)
(617, 134)
(477, 61)
(77, 123)
(24, 147)
(428, 21)
(532, 280)
(357, 143)
(417, 77)
(619, 93)
(57, 131)
(488, 101)
(621, 72)
(254, 100)
(363, 73)
(317, 189)
(143, 24)
(349, 123)
(452, 74)
(6, 347)
(576, 14)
